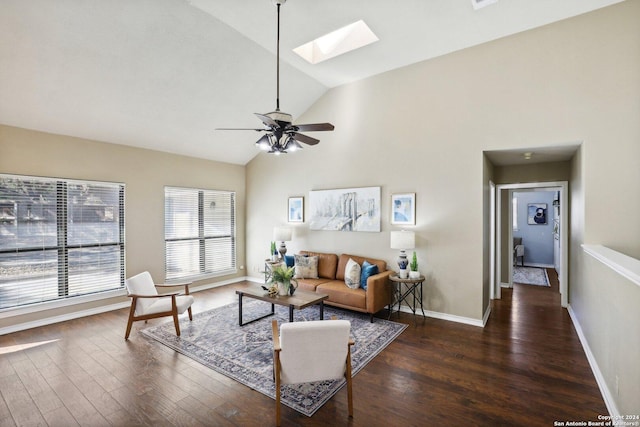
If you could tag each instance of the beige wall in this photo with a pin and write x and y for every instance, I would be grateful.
(423, 128)
(144, 172)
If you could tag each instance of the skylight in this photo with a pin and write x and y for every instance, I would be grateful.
(343, 40)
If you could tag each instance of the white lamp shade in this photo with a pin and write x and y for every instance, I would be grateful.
(282, 234)
(403, 239)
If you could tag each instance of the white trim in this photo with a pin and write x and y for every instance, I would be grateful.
(63, 317)
(428, 313)
(504, 285)
(449, 317)
(536, 265)
(622, 264)
(602, 384)
(97, 310)
(66, 302)
(485, 318)
(563, 187)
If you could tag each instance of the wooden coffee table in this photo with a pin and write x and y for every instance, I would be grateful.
(299, 300)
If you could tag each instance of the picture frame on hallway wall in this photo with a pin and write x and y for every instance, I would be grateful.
(536, 213)
(295, 212)
(403, 209)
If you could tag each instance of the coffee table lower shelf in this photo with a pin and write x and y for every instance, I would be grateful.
(297, 301)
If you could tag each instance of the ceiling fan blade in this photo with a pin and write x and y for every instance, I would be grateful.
(268, 121)
(304, 138)
(314, 127)
(257, 130)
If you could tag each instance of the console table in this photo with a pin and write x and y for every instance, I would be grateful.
(405, 290)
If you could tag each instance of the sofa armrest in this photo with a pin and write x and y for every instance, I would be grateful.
(378, 291)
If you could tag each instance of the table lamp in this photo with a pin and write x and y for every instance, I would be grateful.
(282, 234)
(403, 240)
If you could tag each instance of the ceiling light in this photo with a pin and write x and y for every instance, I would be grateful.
(342, 40)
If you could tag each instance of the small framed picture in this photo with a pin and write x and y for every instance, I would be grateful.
(403, 209)
(296, 209)
(536, 213)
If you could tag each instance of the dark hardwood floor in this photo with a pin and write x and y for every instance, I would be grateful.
(525, 368)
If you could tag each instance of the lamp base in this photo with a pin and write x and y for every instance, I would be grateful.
(403, 274)
(282, 250)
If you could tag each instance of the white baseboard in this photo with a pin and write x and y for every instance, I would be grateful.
(533, 264)
(604, 390)
(445, 316)
(97, 310)
(63, 317)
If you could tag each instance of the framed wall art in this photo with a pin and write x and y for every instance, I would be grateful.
(403, 209)
(296, 209)
(536, 213)
(349, 209)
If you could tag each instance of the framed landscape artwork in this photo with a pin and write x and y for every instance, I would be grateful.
(296, 209)
(403, 209)
(536, 213)
(349, 209)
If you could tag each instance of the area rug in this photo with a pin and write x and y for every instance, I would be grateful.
(245, 353)
(530, 276)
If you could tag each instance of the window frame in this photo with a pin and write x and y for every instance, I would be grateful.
(202, 237)
(63, 247)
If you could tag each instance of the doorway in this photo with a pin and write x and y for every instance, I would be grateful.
(504, 233)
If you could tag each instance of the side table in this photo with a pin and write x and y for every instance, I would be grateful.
(268, 268)
(412, 289)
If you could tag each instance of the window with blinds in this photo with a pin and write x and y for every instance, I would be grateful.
(200, 233)
(59, 239)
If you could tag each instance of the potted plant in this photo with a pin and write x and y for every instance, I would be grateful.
(274, 252)
(414, 273)
(283, 276)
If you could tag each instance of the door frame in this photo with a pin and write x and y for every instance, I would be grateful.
(563, 188)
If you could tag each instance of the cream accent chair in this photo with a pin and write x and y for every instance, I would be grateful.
(146, 303)
(312, 351)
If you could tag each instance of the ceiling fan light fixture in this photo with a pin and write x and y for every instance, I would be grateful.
(280, 132)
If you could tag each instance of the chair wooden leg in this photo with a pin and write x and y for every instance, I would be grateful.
(130, 321)
(276, 363)
(190, 315)
(347, 374)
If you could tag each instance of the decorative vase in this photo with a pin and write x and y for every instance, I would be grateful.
(414, 274)
(283, 288)
(403, 274)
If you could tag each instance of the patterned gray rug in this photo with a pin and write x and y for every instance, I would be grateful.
(246, 353)
(530, 276)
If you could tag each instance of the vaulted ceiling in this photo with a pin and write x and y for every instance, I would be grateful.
(163, 74)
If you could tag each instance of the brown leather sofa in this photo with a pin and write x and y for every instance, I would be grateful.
(331, 282)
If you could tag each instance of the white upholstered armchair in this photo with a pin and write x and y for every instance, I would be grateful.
(146, 303)
(312, 351)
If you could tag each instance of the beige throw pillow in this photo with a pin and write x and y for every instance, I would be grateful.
(352, 274)
(306, 267)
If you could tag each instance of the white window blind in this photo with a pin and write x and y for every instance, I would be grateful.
(59, 239)
(200, 233)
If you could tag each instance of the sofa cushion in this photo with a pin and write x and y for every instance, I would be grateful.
(306, 267)
(327, 264)
(339, 293)
(352, 274)
(367, 270)
(310, 284)
(344, 258)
